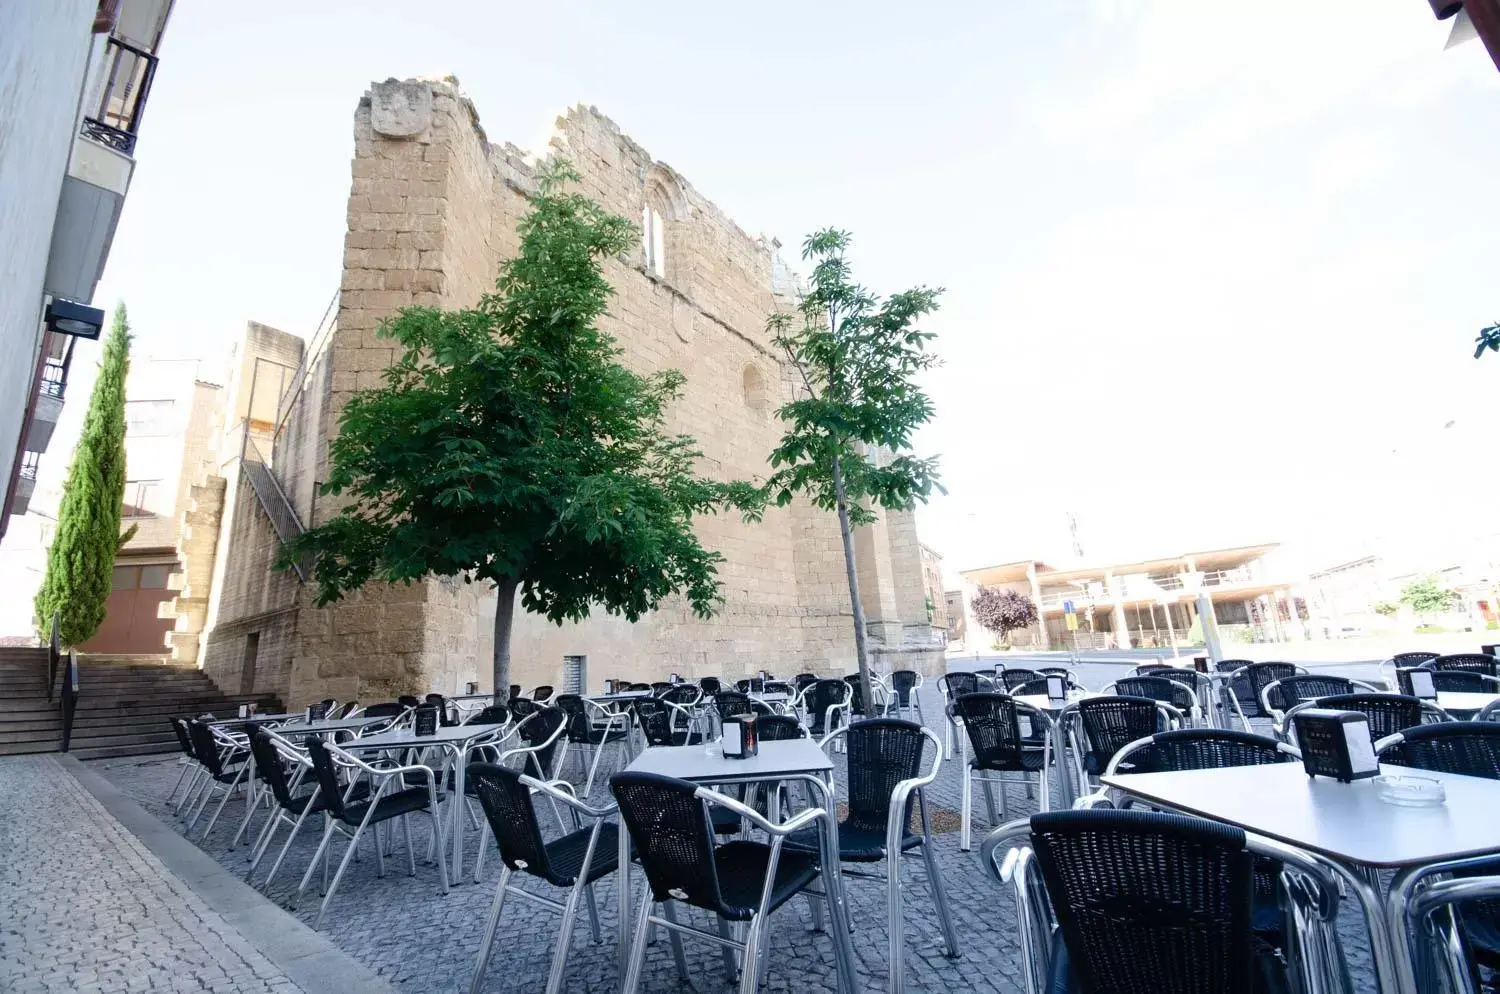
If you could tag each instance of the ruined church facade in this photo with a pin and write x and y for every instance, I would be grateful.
(432, 213)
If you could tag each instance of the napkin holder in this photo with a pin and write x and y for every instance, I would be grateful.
(1336, 744)
(1420, 681)
(426, 721)
(317, 712)
(1057, 689)
(740, 740)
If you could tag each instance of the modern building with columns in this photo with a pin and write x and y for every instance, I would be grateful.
(1149, 602)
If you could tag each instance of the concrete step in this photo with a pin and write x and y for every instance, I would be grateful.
(115, 751)
(28, 748)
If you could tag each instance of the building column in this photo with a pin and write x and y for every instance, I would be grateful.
(1036, 598)
(1121, 625)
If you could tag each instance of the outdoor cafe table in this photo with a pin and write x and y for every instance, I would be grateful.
(786, 759)
(1357, 833)
(456, 740)
(1458, 702)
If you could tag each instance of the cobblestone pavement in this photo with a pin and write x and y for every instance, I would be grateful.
(85, 908)
(420, 940)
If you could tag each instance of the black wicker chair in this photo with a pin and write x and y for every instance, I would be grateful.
(953, 686)
(779, 728)
(731, 704)
(1414, 658)
(225, 770)
(1150, 669)
(1010, 679)
(591, 728)
(385, 709)
(1386, 713)
(574, 861)
(1465, 662)
(390, 797)
(751, 685)
(1055, 671)
(1451, 682)
(862, 705)
(543, 694)
(826, 704)
(188, 761)
(1107, 725)
(663, 723)
(904, 696)
(1243, 690)
(1160, 689)
(1471, 748)
(1032, 688)
(409, 701)
(1004, 743)
(1231, 665)
(740, 881)
(885, 784)
(805, 680)
(1151, 902)
(710, 685)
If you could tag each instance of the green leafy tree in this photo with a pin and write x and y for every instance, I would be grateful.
(848, 437)
(1386, 609)
(81, 560)
(1488, 340)
(510, 446)
(1426, 596)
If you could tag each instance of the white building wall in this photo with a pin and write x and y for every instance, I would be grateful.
(44, 51)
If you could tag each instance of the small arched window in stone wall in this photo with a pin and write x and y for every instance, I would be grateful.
(654, 238)
(753, 383)
(664, 213)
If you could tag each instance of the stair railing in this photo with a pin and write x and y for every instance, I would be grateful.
(54, 655)
(69, 698)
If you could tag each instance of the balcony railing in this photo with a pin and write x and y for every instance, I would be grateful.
(54, 379)
(30, 461)
(115, 119)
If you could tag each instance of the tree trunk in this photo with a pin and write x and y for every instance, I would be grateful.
(866, 688)
(505, 613)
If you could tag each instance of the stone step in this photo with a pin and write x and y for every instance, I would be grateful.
(116, 751)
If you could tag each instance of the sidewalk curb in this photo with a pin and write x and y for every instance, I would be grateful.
(308, 959)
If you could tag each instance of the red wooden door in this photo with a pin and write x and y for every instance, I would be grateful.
(130, 621)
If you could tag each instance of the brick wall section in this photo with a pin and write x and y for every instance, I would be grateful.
(432, 213)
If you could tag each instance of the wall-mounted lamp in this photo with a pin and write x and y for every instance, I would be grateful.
(66, 317)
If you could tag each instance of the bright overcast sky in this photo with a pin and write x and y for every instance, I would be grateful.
(1212, 278)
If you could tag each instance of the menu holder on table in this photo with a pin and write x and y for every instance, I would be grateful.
(426, 721)
(1336, 744)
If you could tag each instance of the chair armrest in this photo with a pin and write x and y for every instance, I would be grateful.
(800, 821)
(561, 790)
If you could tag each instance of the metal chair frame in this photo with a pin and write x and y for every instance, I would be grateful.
(913, 700)
(556, 791)
(987, 778)
(1280, 716)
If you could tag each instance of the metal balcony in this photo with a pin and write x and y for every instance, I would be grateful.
(115, 119)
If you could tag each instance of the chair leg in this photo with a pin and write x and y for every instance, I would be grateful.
(263, 840)
(989, 799)
(564, 940)
(437, 831)
(192, 789)
(669, 910)
(379, 855)
(588, 895)
(939, 897)
(896, 942)
(486, 943)
(250, 809)
(411, 854)
(312, 866)
(220, 809)
(638, 945)
(484, 845)
(343, 865)
(182, 762)
(750, 969)
(965, 831)
(204, 797)
(729, 963)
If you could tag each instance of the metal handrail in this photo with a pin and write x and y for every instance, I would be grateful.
(54, 655)
(69, 698)
(274, 501)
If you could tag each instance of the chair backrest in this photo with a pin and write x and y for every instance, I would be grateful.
(958, 683)
(1149, 902)
(753, 685)
(1110, 723)
(543, 694)
(1296, 689)
(268, 766)
(205, 746)
(994, 729)
(1056, 671)
(1387, 713)
(515, 691)
(538, 728)
(661, 687)
(179, 727)
(1259, 675)
(1457, 682)
(329, 790)
(655, 718)
(409, 701)
(347, 710)
(1188, 678)
(805, 680)
(780, 687)
(732, 704)
(1204, 749)
(508, 807)
(1414, 658)
(1468, 747)
(710, 684)
(903, 682)
(882, 752)
(1013, 678)
(1150, 669)
(1031, 688)
(523, 706)
(385, 709)
(821, 696)
(493, 714)
(1466, 662)
(857, 696)
(1158, 688)
(684, 694)
(638, 688)
(1230, 665)
(779, 727)
(673, 837)
(578, 719)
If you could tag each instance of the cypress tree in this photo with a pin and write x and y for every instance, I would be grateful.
(81, 561)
